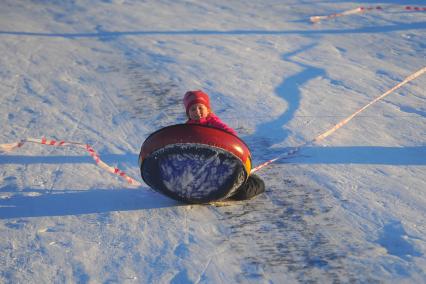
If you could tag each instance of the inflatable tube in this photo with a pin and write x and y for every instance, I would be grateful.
(194, 163)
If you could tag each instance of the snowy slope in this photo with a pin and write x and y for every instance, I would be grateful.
(108, 73)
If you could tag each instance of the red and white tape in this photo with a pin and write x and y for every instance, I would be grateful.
(359, 10)
(340, 124)
(5, 148)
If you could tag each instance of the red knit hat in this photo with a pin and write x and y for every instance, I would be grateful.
(196, 97)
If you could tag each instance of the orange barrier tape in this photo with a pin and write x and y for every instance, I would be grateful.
(4, 148)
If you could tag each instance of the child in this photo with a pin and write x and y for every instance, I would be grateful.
(197, 105)
(198, 111)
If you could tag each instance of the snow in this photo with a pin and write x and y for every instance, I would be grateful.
(108, 73)
(196, 172)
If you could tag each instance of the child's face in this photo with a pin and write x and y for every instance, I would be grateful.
(198, 111)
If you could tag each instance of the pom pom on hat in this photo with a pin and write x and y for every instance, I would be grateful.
(196, 97)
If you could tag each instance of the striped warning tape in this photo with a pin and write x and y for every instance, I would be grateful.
(316, 19)
(5, 148)
(340, 124)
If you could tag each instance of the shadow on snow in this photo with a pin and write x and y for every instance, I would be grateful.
(397, 156)
(374, 155)
(289, 91)
(112, 34)
(393, 238)
(75, 202)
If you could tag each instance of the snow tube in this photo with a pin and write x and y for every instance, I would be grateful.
(194, 163)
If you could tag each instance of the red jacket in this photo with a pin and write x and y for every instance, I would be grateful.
(213, 121)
